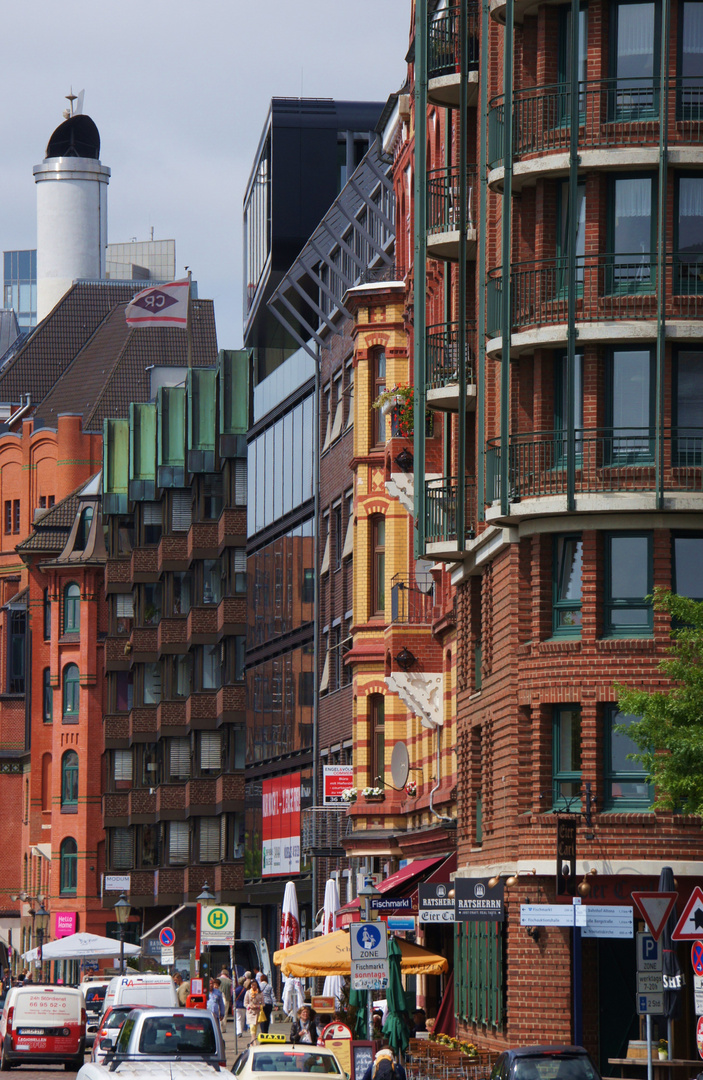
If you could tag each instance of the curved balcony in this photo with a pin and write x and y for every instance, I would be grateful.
(444, 215)
(444, 56)
(444, 370)
(608, 462)
(616, 299)
(441, 515)
(618, 127)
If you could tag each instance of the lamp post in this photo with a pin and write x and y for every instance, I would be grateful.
(41, 919)
(205, 900)
(123, 909)
(366, 893)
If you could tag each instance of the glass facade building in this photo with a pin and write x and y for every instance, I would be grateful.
(20, 286)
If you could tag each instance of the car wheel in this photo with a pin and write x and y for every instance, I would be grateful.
(4, 1063)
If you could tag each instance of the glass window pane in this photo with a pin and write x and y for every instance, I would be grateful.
(631, 399)
(570, 565)
(632, 235)
(688, 566)
(629, 567)
(635, 42)
(689, 395)
(569, 721)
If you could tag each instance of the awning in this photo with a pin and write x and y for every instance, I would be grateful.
(329, 954)
(403, 877)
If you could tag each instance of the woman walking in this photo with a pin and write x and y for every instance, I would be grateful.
(269, 1002)
(253, 1003)
(239, 1010)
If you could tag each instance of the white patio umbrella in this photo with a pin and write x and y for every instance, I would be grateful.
(82, 946)
(334, 984)
(293, 996)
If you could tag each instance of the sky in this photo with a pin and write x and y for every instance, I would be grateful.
(179, 92)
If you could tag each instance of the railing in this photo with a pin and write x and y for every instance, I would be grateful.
(443, 56)
(443, 355)
(607, 460)
(323, 831)
(443, 199)
(612, 112)
(412, 602)
(609, 287)
(373, 274)
(441, 508)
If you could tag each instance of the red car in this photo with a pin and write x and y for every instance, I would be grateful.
(110, 1023)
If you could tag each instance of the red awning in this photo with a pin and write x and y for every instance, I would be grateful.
(405, 876)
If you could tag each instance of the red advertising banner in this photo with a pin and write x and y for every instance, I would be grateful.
(336, 779)
(281, 825)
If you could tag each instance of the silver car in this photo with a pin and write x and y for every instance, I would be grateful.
(170, 1034)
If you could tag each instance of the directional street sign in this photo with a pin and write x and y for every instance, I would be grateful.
(553, 915)
(608, 921)
(690, 925)
(649, 954)
(697, 957)
(656, 908)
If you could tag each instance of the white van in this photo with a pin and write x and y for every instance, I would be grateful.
(135, 989)
(42, 1025)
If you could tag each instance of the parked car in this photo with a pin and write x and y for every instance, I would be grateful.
(94, 991)
(272, 1058)
(109, 1028)
(545, 1063)
(170, 1033)
(136, 989)
(153, 1070)
(43, 1025)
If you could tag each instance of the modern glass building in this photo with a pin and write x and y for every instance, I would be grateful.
(20, 286)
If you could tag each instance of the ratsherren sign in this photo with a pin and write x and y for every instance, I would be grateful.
(434, 903)
(476, 901)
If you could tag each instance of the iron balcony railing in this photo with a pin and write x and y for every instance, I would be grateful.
(443, 199)
(323, 831)
(443, 355)
(441, 509)
(612, 112)
(412, 601)
(443, 55)
(607, 460)
(609, 287)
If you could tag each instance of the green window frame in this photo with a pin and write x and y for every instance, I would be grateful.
(630, 272)
(566, 756)
(567, 585)
(626, 613)
(688, 230)
(68, 862)
(563, 237)
(624, 781)
(69, 780)
(564, 61)
(71, 691)
(479, 991)
(626, 444)
(47, 697)
(687, 564)
(560, 408)
(71, 608)
(687, 447)
(633, 96)
(689, 61)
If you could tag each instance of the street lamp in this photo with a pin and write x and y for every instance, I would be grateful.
(206, 898)
(41, 921)
(123, 909)
(366, 894)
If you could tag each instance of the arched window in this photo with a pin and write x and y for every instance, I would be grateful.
(69, 866)
(71, 691)
(377, 528)
(376, 713)
(84, 529)
(69, 779)
(47, 697)
(71, 609)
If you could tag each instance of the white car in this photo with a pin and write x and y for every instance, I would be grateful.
(300, 1060)
(144, 1069)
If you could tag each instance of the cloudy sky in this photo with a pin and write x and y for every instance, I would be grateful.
(179, 92)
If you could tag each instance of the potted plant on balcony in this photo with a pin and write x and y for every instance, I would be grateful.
(411, 789)
(663, 1050)
(399, 402)
(349, 795)
(373, 794)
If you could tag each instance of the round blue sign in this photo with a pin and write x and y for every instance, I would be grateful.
(368, 937)
(167, 937)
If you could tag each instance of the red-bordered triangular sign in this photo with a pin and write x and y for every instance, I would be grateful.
(656, 908)
(690, 925)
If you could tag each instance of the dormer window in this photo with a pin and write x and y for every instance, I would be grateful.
(83, 532)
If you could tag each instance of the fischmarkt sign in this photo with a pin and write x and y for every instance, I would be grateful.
(217, 926)
(476, 901)
(434, 904)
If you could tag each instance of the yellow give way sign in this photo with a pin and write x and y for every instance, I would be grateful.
(217, 926)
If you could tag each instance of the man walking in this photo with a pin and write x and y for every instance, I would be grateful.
(215, 1001)
(226, 988)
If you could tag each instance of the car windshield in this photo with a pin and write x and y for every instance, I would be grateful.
(116, 1017)
(288, 1061)
(178, 1035)
(95, 996)
(554, 1067)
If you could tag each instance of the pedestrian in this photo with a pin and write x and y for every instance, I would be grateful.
(257, 975)
(226, 988)
(304, 1028)
(182, 988)
(239, 1010)
(215, 1001)
(253, 1003)
(269, 1002)
(385, 1067)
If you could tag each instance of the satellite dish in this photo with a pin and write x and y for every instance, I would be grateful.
(423, 578)
(400, 765)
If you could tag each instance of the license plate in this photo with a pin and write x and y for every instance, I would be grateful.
(32, 1031)
(23, 1046)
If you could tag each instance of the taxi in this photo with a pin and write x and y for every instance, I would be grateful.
(272, 1056)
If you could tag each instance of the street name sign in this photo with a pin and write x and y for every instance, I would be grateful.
(607, 921)
(649, 954)
(368, 941)
(391, 903)
(553, 915)
(369, 974)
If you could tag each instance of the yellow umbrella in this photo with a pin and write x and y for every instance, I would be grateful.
(328, 954)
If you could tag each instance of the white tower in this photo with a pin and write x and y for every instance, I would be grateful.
(71, 211)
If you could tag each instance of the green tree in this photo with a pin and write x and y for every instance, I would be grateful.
(670, 734)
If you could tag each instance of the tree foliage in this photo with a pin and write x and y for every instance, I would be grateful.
(669, 736)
